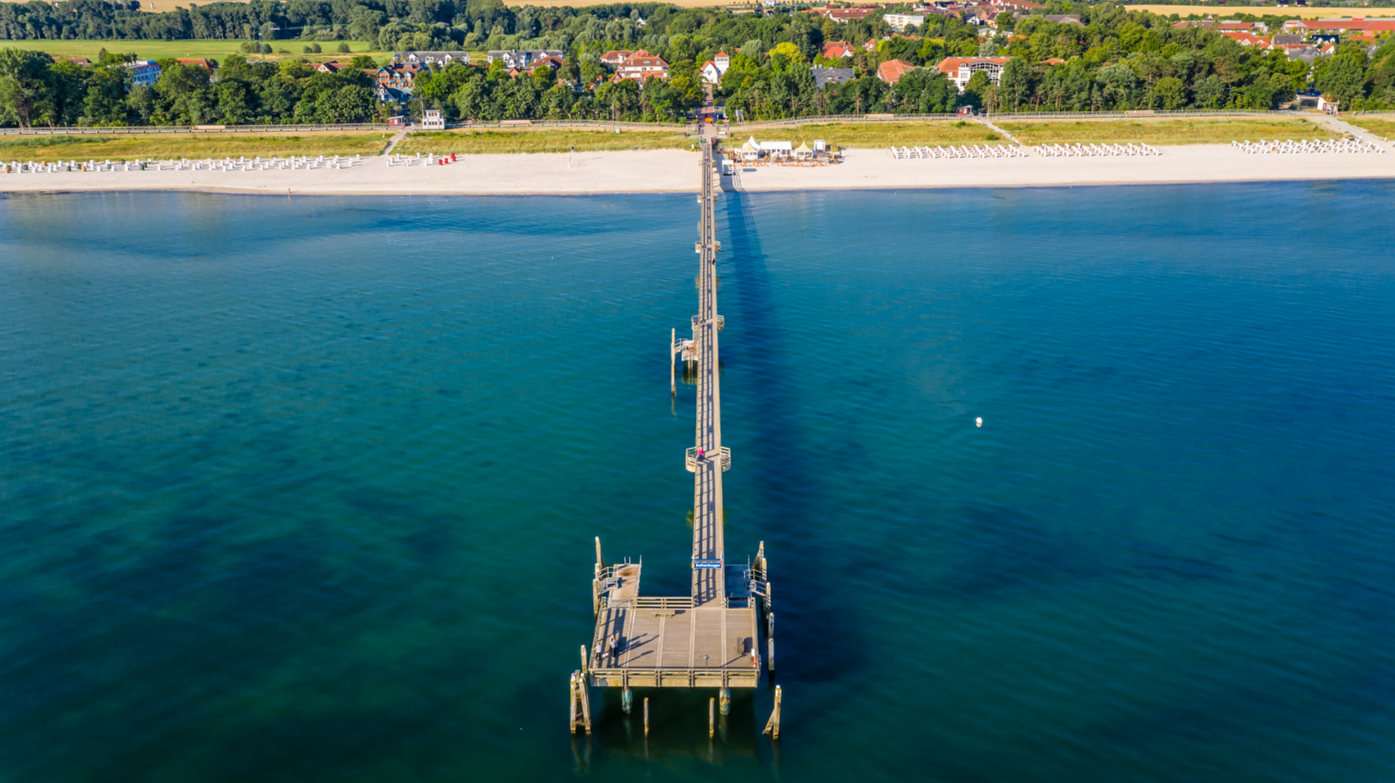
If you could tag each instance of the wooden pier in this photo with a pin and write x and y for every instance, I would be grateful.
(711, 638)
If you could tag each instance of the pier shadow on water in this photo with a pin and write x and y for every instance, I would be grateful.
(808, 616)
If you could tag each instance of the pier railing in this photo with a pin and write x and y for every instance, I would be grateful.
(691, 459)
(721, 322)
(1039, 115)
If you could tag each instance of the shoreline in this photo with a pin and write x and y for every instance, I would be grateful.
(670, 171)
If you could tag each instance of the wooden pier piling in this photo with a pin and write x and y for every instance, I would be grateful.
(646, 716)
(711, 718)
(772, 727)
(580, 712)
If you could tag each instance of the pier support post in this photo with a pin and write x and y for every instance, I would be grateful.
(580, 711)
(724, 697)
(772, 727)
(711, 718)
(672, 381)
(770, 641)
(584, 658)
(646, 716)
(627, 699)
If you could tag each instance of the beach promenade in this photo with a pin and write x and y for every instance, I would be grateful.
(670, 171)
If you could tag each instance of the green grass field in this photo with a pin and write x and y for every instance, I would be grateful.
(1198, 131)
(189, 145)
(1381, 126)
(879, 134)
(154, 50)
(527, 140)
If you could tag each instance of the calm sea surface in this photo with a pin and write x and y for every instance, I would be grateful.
(305, 490)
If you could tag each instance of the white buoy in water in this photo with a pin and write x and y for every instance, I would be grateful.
(978, 422)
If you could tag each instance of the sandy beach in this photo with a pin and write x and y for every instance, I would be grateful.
(672, 171)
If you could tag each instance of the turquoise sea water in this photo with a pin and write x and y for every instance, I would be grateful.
(304, 490)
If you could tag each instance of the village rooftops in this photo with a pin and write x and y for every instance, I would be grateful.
(522, 58)
(442, 59)
(850, 14)
(1247, 39)
(1341, 25)
(614, 57)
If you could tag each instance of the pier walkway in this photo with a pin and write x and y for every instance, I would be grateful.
(712, 637)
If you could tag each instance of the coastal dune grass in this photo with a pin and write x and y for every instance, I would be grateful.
(876, 135)
(504, 142)
(1198, 131)
(1381, 126)
(186, 145)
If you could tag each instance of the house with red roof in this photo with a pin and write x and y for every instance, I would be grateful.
(1247, 39)
(641, 67)
(850, 14)
(397, 77)
(1357, 25)
(891, 71)
(960, 69)
(713, 69)
(836, 50)
(615, 58)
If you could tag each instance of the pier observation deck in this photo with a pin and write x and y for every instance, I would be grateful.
(711, 637)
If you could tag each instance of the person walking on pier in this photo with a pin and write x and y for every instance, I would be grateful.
(613, 648)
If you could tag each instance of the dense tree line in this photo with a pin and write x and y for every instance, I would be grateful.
(34, 90)
(1116, 59)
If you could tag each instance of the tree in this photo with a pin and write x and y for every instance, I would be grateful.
(925, 91)
(1211, 92)
(977, 89)
(1168, 93)
(1119, 83)
(24, 85)
(1344, 78)
(105, 100)
(1015, 84)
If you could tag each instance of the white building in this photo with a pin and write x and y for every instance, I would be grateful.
(713, 69)
(144, 73)
(431, 119)
(438, 59)
(642, 66)
(960, 69)
(900, 22)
